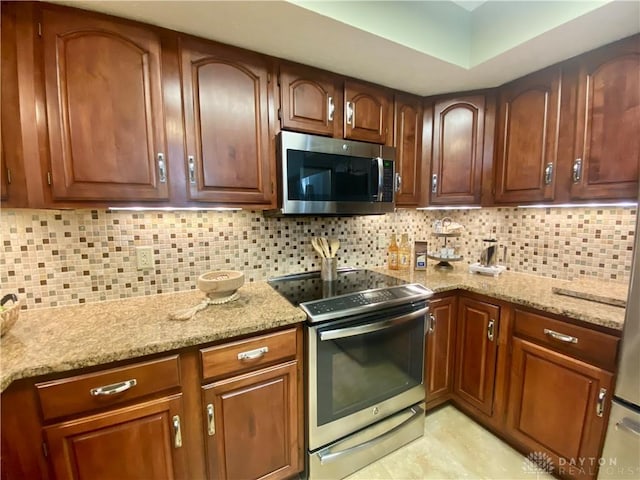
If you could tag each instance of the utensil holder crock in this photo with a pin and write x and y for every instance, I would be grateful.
(329, 269)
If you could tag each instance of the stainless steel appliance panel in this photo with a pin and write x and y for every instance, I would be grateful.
(621, 454)
(628, 381)
(361, 373)
(328, 176)
(366, 446)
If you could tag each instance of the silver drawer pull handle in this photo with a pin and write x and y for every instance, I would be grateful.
(560, 336)
(434, 183)
(113, 388)
(211, 421)
(253, 354)
(177, 433)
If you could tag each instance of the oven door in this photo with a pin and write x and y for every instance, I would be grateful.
(364, 369)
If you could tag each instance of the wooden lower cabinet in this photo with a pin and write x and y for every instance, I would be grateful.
(140, 441)
(476, 353)
(558, 406)
(154, 419)
(252, 424)
(439, 352)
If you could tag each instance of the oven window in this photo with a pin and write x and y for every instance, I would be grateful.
(360, 371)
(324, 177)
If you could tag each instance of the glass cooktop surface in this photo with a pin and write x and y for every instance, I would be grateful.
(306, 287)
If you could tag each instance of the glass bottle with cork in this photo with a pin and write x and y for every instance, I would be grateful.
(393, 253)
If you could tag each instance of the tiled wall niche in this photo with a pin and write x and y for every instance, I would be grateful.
(53, 258)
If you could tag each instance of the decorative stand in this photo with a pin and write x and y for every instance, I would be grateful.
(444, 261)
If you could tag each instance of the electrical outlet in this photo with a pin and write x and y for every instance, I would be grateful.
(144, 258)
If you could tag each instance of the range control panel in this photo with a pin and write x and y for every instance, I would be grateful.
(362, 302)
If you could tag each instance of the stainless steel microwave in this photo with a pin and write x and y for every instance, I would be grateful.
(329, 176)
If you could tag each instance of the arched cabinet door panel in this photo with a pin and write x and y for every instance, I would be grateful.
(225, 93)
(527, 138)
(606, 161)
(311, 101)
(368, 113)
(458, 141)
(105, 116)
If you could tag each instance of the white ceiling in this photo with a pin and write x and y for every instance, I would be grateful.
(423, 47)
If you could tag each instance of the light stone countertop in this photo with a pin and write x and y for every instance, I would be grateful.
(60, 339)
(522, 289)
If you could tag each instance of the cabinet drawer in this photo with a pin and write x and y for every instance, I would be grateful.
(244, 355)
(589, 345)
(82, 393)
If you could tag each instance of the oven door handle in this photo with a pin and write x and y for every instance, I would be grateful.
(372, 327)
(327, 456)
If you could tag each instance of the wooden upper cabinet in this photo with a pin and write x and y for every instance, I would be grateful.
(368, 113)
(408, 143)
(226, 107)
(440, 349)
(456, 166)
(104, 108)
(140, 441)
(476, 353)
(527, 138)
(310, 100)
(607, 145)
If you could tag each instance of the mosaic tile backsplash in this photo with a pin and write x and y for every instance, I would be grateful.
(53, 258)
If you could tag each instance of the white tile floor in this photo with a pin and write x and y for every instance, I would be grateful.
(453, 447)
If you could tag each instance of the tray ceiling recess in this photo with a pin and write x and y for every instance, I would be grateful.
(422, 47)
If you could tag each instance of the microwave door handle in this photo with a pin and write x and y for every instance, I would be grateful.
(372, 327)
(380, 178)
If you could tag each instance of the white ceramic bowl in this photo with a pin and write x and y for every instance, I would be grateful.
(220, 283)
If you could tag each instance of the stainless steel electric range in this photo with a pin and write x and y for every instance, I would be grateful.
(364, 361)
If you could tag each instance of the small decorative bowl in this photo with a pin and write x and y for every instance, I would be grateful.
(220, 283)
(9, 315)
